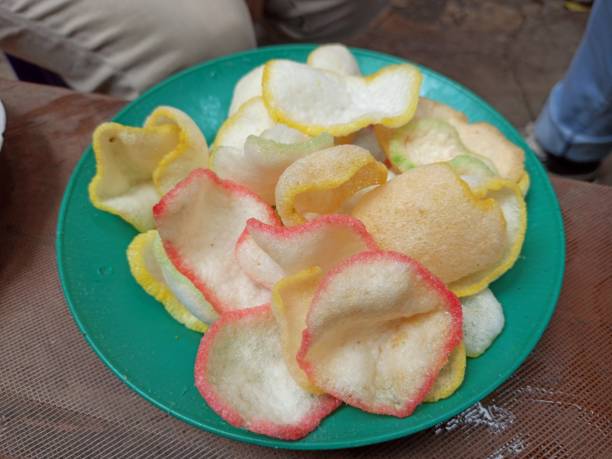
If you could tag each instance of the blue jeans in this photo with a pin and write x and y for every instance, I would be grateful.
(576, 121)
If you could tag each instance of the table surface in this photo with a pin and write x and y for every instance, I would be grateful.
(58, 400)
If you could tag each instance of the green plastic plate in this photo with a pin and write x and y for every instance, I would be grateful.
(154, 355)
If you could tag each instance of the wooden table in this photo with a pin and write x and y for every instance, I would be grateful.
(58, 400)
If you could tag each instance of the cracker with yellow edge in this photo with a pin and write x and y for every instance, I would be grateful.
(261, 162)
(483, 321)
(426, 141)
(250, 119)
(135, 166)
(315, 101)
(524, 183)
(482, 139)
(190, 153)
(322, 181)
(429, 108)
(488, 141)
(147, 273)
(181, 287)
(432, 215)
(248, 86)
(472, 170)
(334, 57)
(509, 198)
(291, 298)
(451, 375)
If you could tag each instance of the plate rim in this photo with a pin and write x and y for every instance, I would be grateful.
(336, 444)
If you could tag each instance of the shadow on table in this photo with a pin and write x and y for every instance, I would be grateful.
(41, 147)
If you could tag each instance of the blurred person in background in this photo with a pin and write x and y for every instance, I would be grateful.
(123, 47)
(573, 133)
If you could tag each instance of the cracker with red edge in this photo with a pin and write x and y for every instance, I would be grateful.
(267, 252)
(379, 329)
(199, 222)
(322, 181)
(241, 373)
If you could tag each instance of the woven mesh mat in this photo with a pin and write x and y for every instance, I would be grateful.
(58, 400)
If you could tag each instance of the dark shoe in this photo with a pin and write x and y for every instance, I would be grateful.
(586, 171)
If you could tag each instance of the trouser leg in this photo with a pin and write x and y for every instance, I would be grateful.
(576, 121)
